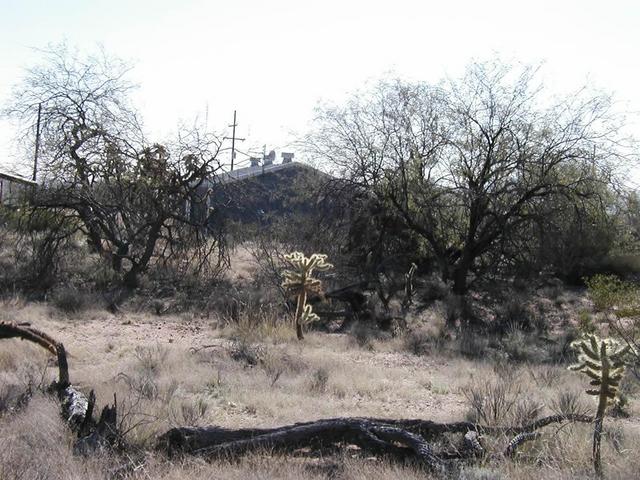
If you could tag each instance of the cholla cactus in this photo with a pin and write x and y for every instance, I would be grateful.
(300, 283)
(603, 361)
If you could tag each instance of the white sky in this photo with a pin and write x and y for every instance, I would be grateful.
(273, 60)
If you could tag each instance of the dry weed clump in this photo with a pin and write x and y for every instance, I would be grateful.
(36, 444)
(471, 345)
(319, 380)
(425, 341)
(249, 316)
(570, 403)
(493, 403)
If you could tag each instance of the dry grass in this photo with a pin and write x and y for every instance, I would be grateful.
(169, 371)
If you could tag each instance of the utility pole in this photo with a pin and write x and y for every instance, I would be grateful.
(35, 157)
(233, 139)
(264, 156)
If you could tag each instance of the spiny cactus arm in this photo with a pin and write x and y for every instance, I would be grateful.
(293, 281)
(318, 261)
(298, 261)
(308, 316)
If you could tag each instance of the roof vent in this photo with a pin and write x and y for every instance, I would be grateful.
(287, 157)
(269, 159)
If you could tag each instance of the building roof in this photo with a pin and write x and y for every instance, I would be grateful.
(16, 178)
(247, 172)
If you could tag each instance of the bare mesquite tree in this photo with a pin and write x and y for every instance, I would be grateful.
(466, 163)
(131, 198)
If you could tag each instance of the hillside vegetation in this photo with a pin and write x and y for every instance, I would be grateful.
(411, 310)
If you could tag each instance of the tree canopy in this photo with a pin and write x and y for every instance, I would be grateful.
(129, 196)
(469, 163)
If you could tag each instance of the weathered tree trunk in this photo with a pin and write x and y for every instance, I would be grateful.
(130, 279)
(398, 439)
(460, 273)
(372, 436)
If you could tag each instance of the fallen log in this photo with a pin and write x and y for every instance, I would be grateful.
(371, 436)
(400, 439)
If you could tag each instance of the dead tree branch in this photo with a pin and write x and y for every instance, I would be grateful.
(399, 439)
(77, 409)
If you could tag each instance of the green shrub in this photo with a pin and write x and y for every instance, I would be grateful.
(518, 345)
(609, 291)
(71, 300)
(585, 322)
(363, 335)
(418, 342)
(514, 312)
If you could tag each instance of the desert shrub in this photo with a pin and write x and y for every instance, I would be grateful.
(37, 248)
(248, 353)
(13, 397)
(141, 383)
(319, 380)
(622, 298)
(526, 411)
(545, 376)
(426, 338)
(188, 412)
(585, 322)
(499, 402)
(520, 346)
(102, 276)
(569, 403)
(471, 345)
(152, 358)
(70, 299)
(142, 379)
(433, 288)
(609, 291)
(559, 351)
(418, 342)
(622, 265)
(504, 370)
(514, 312)
(363, 335)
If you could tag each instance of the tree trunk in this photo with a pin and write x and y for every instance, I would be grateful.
(117, 257)
(460, 279)
(597, 438)
(302, 300)
(131, 278)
